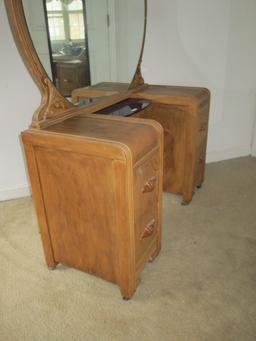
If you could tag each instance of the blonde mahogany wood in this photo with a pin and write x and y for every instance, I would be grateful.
(183, 113)
(87, 176)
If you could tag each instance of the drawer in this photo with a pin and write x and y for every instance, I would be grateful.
(146, 186)
(68, 79)
(66, 73)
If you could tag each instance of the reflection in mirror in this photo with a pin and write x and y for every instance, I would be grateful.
(83, 43)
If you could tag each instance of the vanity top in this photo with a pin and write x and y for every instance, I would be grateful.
(112, 130)
(173, 93)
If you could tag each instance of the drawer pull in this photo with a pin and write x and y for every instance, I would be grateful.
(150, 185)
(149, 229)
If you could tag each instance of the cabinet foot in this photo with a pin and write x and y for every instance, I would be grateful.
(187, 197)
(153, 256)
(51, 268)
(128, 292)
(199, 186)
(126, 298)
(184, 203)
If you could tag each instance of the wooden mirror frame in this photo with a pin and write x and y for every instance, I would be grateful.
(54, 107)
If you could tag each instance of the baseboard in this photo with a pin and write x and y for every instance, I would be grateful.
(14, 193)
(254, 147)
(229, 153)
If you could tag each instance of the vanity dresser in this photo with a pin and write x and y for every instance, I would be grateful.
(97, 169)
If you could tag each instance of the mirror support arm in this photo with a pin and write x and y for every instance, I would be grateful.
(138, 79)
(52, 102)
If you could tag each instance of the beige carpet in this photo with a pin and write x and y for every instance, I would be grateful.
(201, 287)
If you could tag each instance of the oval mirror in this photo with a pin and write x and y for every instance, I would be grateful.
(86, 42)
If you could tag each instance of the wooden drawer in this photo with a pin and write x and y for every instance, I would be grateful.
(67, 79)
(72, 76)
(146, 186)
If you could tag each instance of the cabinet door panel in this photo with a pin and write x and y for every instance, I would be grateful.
(80, 210)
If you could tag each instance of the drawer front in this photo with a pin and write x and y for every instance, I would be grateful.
(67, 79)
(146, 185)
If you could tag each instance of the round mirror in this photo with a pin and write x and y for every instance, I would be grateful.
(86, 42)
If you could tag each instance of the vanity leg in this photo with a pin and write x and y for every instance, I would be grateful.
(187, 197)
(127, 293)
(129, 287)
(200, 184)
(184, 203)
(50, 262)
(154, 255)
(51, 268)
(126, 298)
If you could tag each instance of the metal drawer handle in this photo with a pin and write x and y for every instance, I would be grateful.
(149, 229)
(150, 185)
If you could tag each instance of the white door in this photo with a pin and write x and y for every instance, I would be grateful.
(101, 41)
(129, 34)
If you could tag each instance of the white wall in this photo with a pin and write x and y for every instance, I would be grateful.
(208, 43)
(19, 99)
(198, 42)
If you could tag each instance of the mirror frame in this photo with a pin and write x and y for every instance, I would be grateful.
(54, 107)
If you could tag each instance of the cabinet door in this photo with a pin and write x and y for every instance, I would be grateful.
(97, 12)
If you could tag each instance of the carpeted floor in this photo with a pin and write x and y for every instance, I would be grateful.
(201, 287)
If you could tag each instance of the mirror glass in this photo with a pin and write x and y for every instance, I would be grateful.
(86, 42)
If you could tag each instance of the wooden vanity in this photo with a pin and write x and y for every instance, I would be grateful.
(97, 180)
